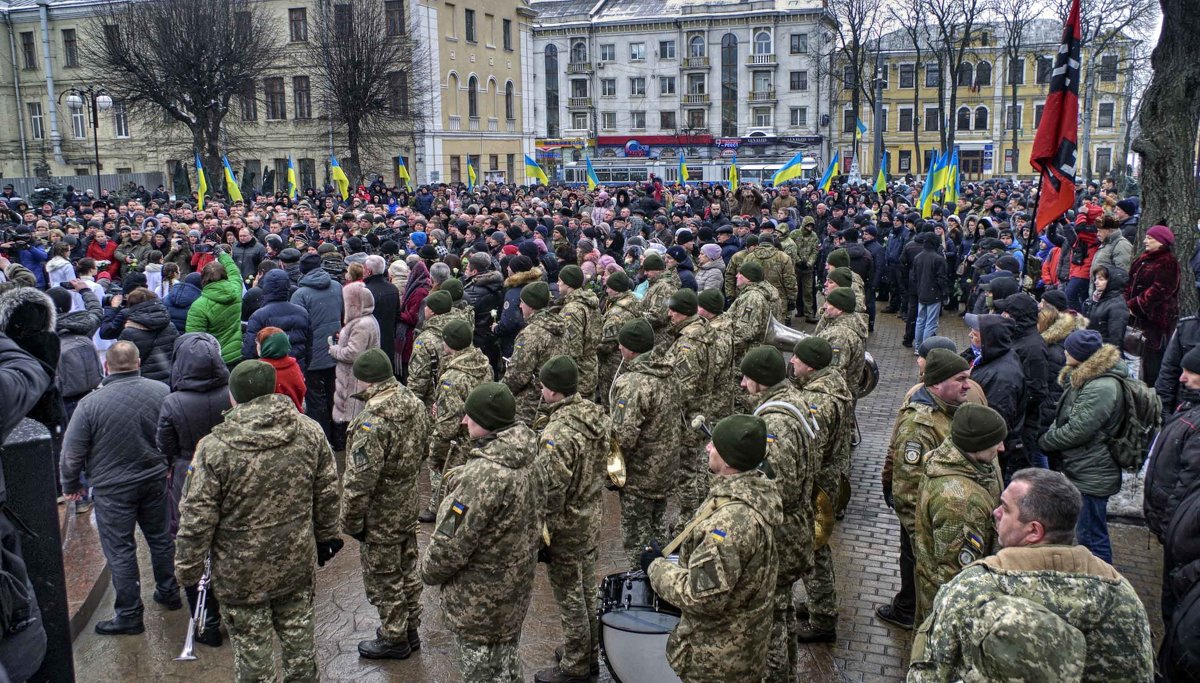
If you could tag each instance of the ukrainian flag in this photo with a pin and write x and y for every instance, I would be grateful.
(683, 172)
(733, 175)
(830, 172)
(533, 170)
(934, 182)
(789, 170)
(293, 186)
(203, 183)
(402, 171)
(592, 180)
(952, 182)
(470, 176)
(860, 129)
(231, 184)
(881, 178)
(338, 176)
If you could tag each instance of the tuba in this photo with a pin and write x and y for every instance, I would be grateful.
(785, 338)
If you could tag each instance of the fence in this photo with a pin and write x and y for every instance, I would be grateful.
(24, 187)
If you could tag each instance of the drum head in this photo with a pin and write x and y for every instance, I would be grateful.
(640, 621)
(635, 645)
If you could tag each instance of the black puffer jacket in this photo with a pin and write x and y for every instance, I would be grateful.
(199, 395)
(1168, 387)
(998, 371)
(277, 311)
(1022, 309)
(485, 293)
(1110, 315)
(1174, 469)
(148, 326)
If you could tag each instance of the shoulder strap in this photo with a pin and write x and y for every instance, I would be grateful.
(788, 407)
(708, 511)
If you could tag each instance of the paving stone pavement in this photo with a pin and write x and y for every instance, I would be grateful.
(865, 555)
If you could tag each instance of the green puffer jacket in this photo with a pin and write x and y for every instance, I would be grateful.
(218, 311)
(1087, 414)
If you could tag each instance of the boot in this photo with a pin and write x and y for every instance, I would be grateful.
(171, 602)
(211, 636)
(117, 627)
(384, 649)
(891, 615)
(593, 663)
(427, 516)
(557, 675)
(807, 633)
(414, 639)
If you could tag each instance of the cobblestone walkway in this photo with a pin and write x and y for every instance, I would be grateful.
(865, 545)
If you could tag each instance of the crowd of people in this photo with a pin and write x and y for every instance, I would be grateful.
(203, 373)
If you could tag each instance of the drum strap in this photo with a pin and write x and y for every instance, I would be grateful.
(708, 511)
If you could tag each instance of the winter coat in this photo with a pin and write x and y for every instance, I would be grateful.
(106, 253)
(1084, 421)
(998, 370)
(1110, 315)
(1086, 242)
(1153, 295)
(321, 296)
(218, 311)
(34, 258)
(79, 368)
(276, 311)
(247, 257)
(687, 275)
(411, 303)
(1174, 468)
(359, 333)
(387, 310)
(1056, 359)
(148, 326)
(1170, 390)
(1114, 251)
(928, 276)
(199, 396)
(485, 293)
(1129, 228)
(711, 276)
(179, 300)
(59, 270)
(1035, 362)
(511, 321)
(289, 379)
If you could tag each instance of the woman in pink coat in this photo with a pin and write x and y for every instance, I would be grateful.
(360, 332)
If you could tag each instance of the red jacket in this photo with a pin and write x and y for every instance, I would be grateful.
(106, 253)
(1050, 267)
(199, 260)
(289, 380)
(1089, 239)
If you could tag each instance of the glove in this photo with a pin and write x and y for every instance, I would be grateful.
(543, 555)
(360, 536)
(327, 549)
(649, 554)
(887, 499)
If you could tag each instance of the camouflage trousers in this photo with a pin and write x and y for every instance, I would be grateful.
(488, 662)
(781, 656)
(253, 628)
(573, 578)
(393, 586)
(693, 481)
(641, 520)
(822, 594)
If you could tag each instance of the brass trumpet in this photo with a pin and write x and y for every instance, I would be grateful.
(784, 338)
(196, 624)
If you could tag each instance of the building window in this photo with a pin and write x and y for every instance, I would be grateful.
(552, 91)
(1037, 114)
(302, 94)
(37, 125)
(393, 12)
(450, 34)
(666, 85)
(983, 74)
(120, 115)
(112, 36)
(1103, 160)
(963, 120)
(905, 161)
(1108, 68)
(343, 20)
(473, 97)
(608, 120)
(928, 154)
(506, 36)
(28, 51)
(70, 48)
(932, 119)
(762, 117)
(799, 43)
(908, 75)
(608, 87)
(455, 168)
(637, 86)
(696, 46)
(1045, 69)
(637, 52)
(966, 75)
(510, 166)
(308, 173)
(637, 120)
(608, 52)
(249, 101)
(469, 25)
(579, 120)
(883, 119)
(1107, 115)
(579, 87)
(276, 99)
(579, 52)
(849, 77)
(848, 122)
(981, 118)
(1016, 71)
(494, 162)
(666, 49)
(906, 119)
(1012, 117)
(491, 37)
(696, 119)
(696, 84)
(666, 120)
(799, 117)
(397, 95)
(729, 85)
(762, 43)
(78, 124)
(933, 75)
(798, 80)
(298, 24)
(510, 105)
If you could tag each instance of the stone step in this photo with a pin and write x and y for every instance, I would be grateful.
(87, 570)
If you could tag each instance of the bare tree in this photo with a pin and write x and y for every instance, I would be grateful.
(176, 64)
(1012, 20)
(859, 25)
(952, 25)
(371, 73)
(910, 16)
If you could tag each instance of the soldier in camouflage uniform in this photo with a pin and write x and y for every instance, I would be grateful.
(483, 551)
(749, 244)
(425, 364)
(542, 338)
(572, 456)
(807, 246)
(385, 445)
(620, 307)
(841, 277)
(261, 500)
(725, 579)
(785, 412)
(726, 391)
(581, 314)
(958, 493)
(838, 259)
(829, 403)
(646, 421)
(1051, 610)
(753, 308)
(841, 330)
(663, 284)
(461, 308)
(921, 426)
(778, 271)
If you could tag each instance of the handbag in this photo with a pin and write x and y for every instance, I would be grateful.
(1135, 341)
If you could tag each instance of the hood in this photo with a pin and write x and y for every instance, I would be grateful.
(1117, 279)
(1023, 311)
(948, 461)
(77, 322)
(490, 280)
(523, 278)
(653, 364)
(183, 294)
(471, 362)
(513, 447)
(1066, 323)
(259, 425)
(995, 336)
(358, 301)
(275, 286)
(317, 279)
(221, 293)
(584, 417)
(20, 297)
(550, 321)
(196, 363)
(1106, 361)
(587, 296)
(755, 489)
(686, 264)
(152, 314)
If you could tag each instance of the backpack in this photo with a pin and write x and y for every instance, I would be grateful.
(1140, 422)
(78, 365)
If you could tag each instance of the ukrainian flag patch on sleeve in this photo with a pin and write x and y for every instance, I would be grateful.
(717, 535)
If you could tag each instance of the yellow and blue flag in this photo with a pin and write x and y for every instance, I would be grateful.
(733, 175)
(592, 180)
(203, 182)
(683, 172)
(830, 172)
(533, 170)
(293, 186)
(231, 183)
(932, 182)
(471, 177)
(952, 184)
(881, 177)
(788, 171)
(860, 129)
(338, 176)
(402, 171)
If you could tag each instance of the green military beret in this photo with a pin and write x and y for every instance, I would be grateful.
(751, 270)
(571, 276)
(842, 276)
(814, 351)
(838, 258)
(842, 298)
(711, 301)
(741, 441)
(491, 406)
(637, 336)
(652, 261)
(439, 302)
(618, 281)
(454, 286)
(977, 428)
(251, 379)
(373, 366)
(457, 335)
(765, 365)
(560, 374)
(941, 365)
(275, 346)
(750, 241)
(536, 295)
(684, 301)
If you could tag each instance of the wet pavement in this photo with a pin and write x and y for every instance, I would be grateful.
(865, 544)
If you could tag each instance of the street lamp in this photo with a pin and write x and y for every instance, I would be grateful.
(77, 99)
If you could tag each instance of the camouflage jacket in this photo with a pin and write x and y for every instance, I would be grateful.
(727, 373)
(861, 317)
(540, 340)
(848, 353)
(462, 310)
(654, 303)
(385, 445)
(780, 272)
(463, 371)
(261, 490)
(692, 357)
(830, 405)
(581, 315)
(647, 420)
(483, 551)
(618, 310)
(922, 425)
(572, 456)
(751, 315)
(724, 582)
(731, 273)
(807, 246)
(788, 446)
(1086, 592)
(974, 395)
(954, 518)
(425, 364)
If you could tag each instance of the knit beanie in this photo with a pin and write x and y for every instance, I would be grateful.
(711, 251)
(841, 276)
(636, 335)
(936, 342)
(814, 351)
(372, 366)
(457, 335)
(652, 261)
(842, 298)
(684, 301)
(977, 428)
(560, 374)
(942, 364)
(536, 295)
(765, 365)
(1162, 233)
(309, 263)
(439, 302)
(838, 258)
(131, 282)
(741, 441)
(617, 281)
(275, 346)
(289, 255)
(711, 301)
(251, 379)
(454, 287)
(751, 270)
(1056, 298)
(326, 248)
(491, 406)
(1191, 360)
(571, 276)
(1081, 344)
(61, 298)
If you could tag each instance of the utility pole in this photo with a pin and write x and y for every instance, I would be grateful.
(879, 67)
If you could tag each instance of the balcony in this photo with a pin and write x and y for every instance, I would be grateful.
(455, 123)
(473, 123)
(579, 67)
(762, 95)
(579, 102)
(761, 60)
(493, 124)
(700, 99)
(695, 63)
(512, 125)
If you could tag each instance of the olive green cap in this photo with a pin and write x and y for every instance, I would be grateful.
(536, 295)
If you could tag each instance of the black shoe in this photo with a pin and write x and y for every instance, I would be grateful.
(870, 328)
(593, 663)
(907, 343)
(802, 612)
(116, 627)
(414, 639)
(171, 602)
(810, 321)
(892, 616)
(807, 633)
(557, 675)
(384, 649)
(427, 517)
(211, 636)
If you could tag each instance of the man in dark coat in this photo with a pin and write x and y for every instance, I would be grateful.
(321, 296)
(277, 311)
(387, 301)
(928, 279)
(1022, 309)
(483, 288)
(1172, 392)
(997, 369)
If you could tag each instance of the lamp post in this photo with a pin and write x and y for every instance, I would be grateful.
(97, 100)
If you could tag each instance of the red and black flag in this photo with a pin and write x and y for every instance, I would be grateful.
(1054, 147)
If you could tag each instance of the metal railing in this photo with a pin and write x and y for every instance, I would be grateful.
(695, 62)
(694, 99)
(579, 67)
(767, 59)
